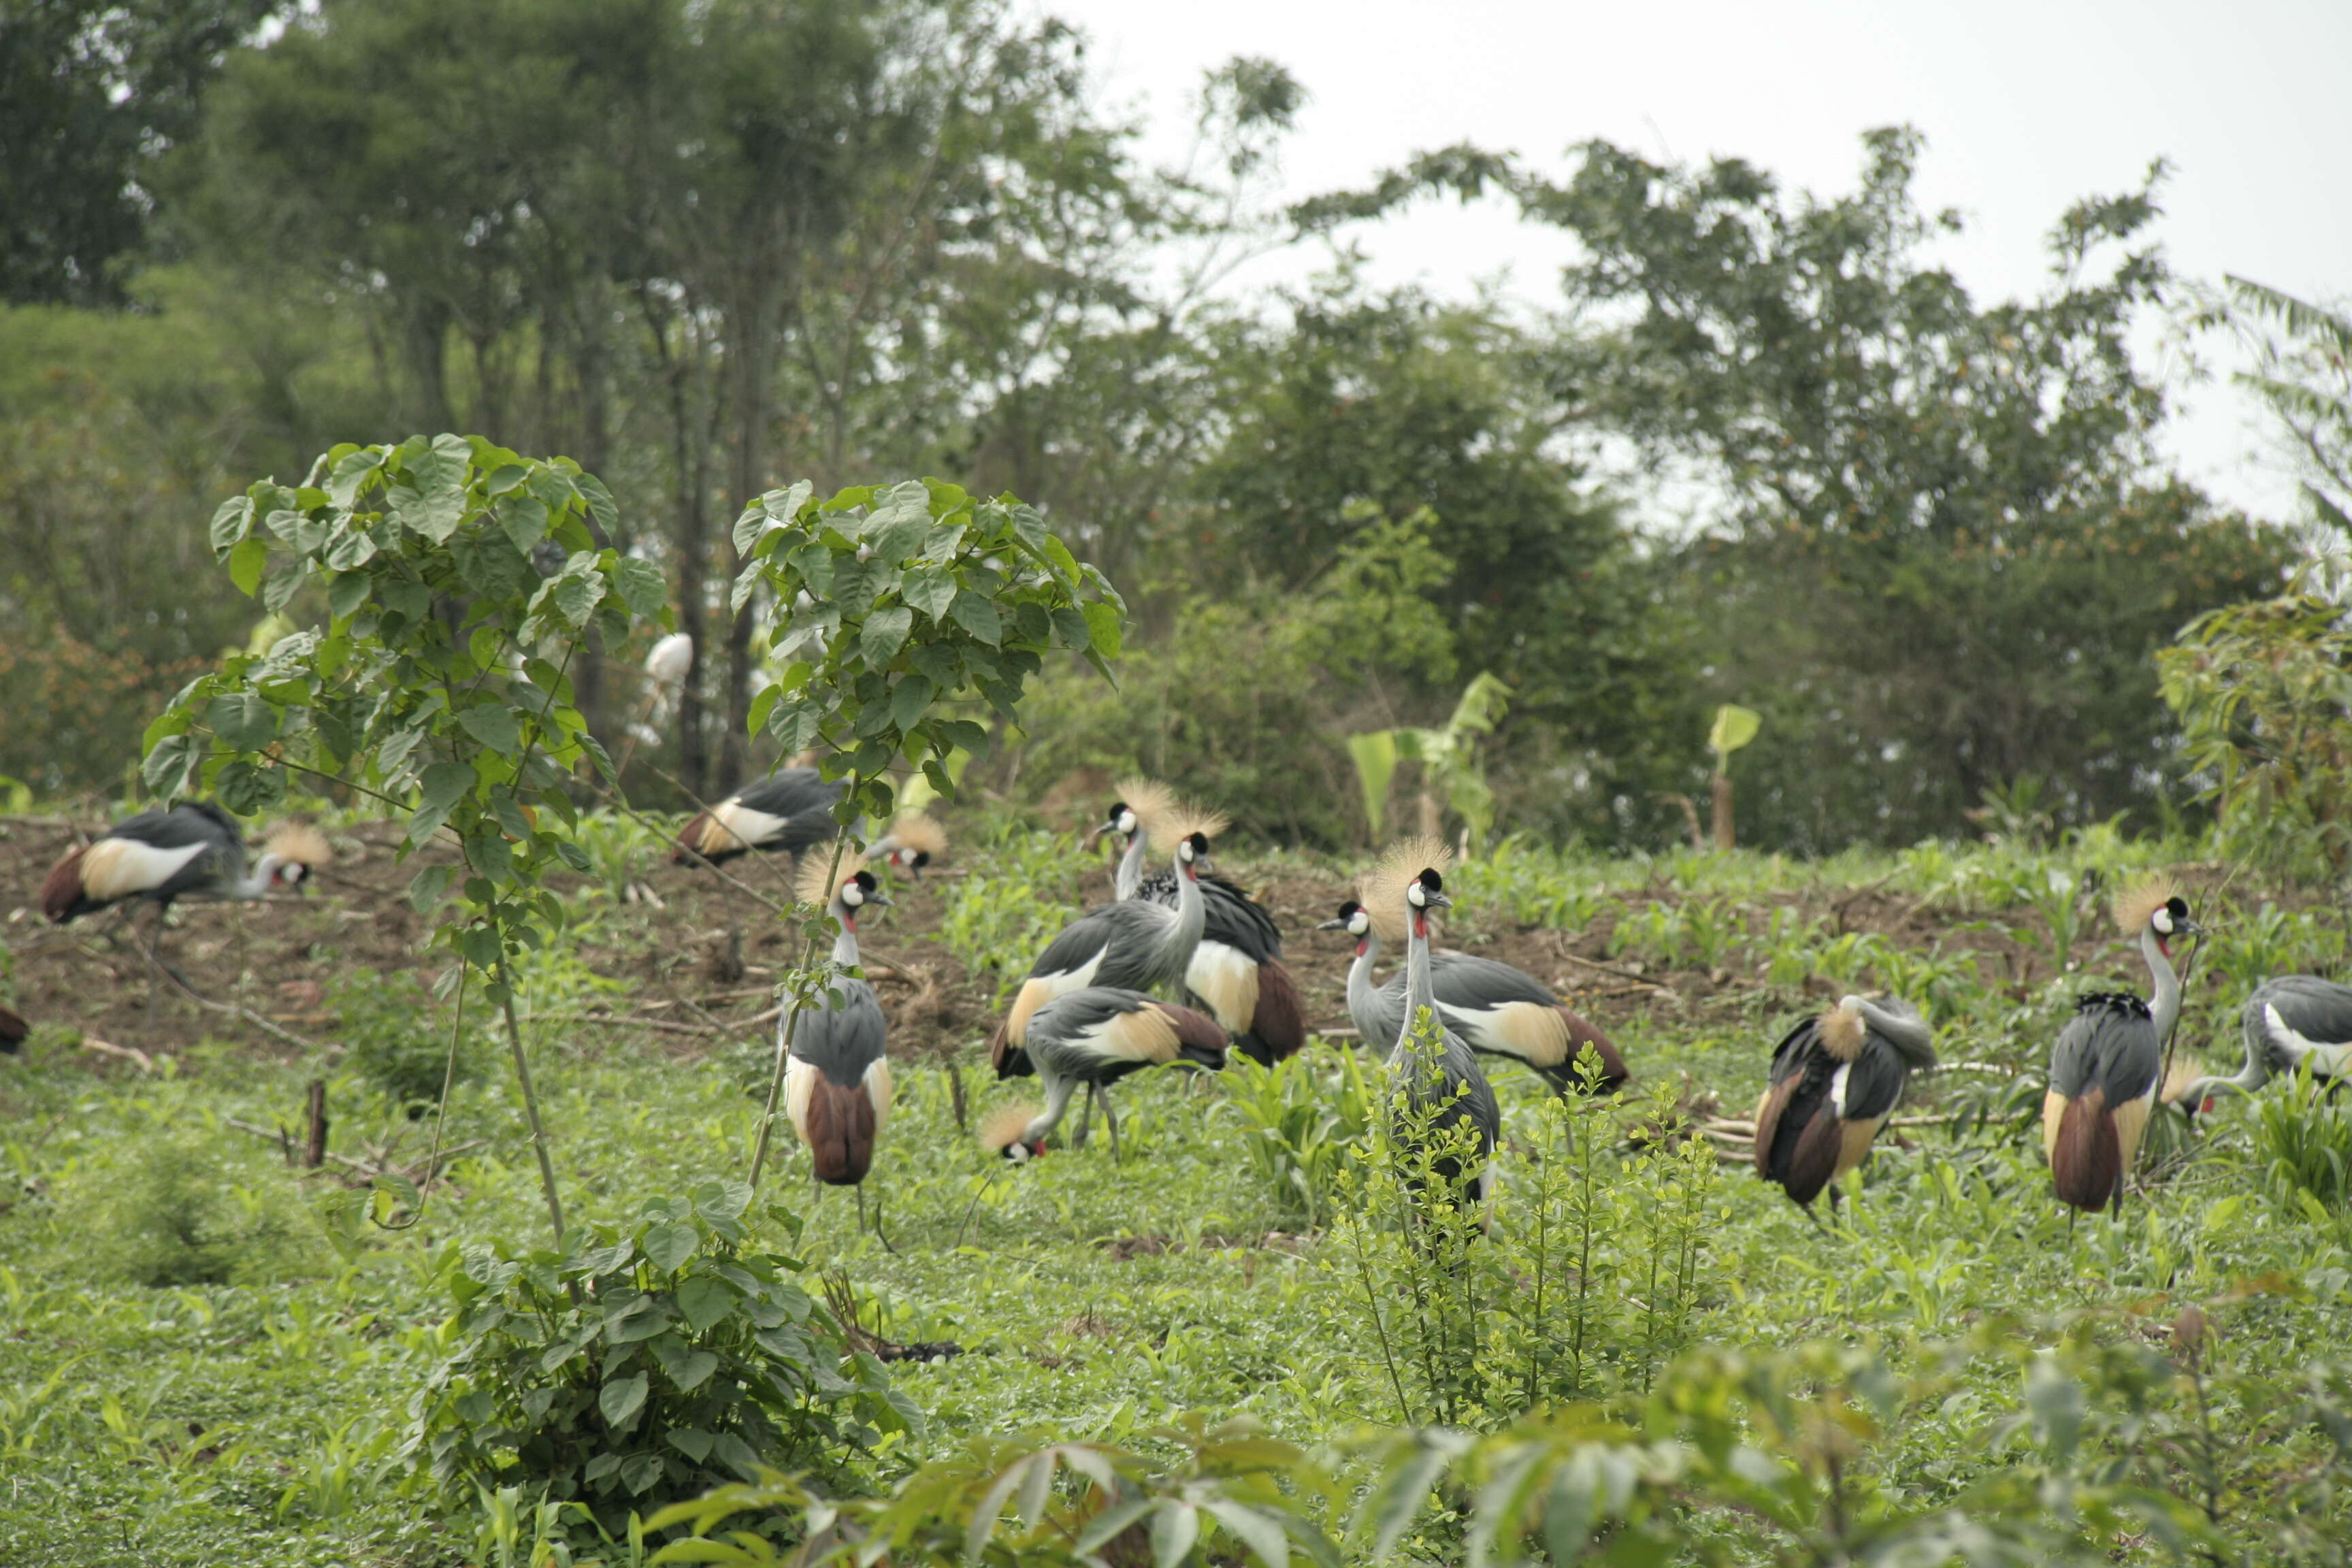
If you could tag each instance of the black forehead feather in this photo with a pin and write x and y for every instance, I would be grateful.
(2176, 907)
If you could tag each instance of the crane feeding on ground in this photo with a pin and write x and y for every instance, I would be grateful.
(1435, 1072)
(1500, 1011)
(1132, 945)
(1834, 1081)
(1094, 1038)
(192, 850)
(1236, 973)
(2104, 1065)
(837, 1068)
(2289, 1023)
(791, 810)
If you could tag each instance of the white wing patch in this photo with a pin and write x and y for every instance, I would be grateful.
(1040, 989)
(878, 1090)
(746, 827)
(800, 1084)
(118, 867)
(2328, 1058)
(1226, 979)
(1837, 1090)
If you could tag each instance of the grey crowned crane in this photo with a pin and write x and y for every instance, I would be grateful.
(914, 841)
(1500, 1011)
(192, 851)
(2104, 1069)
(837, 1071)
(791, 809)
(1094, 1038)
(1236, 973)
(2290, 1022)
(1435, 1072)
(1834, 1081)
(1132, 945)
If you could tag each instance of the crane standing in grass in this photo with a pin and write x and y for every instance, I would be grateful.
(837, 1068)
(1094, 1038)
(1133, 945)
(1435, 1072)
(2104, 1069)
(1236, 973)
(1834, 1081)
(192, 851)
(1500, 1011)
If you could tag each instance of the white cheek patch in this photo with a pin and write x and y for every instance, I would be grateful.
(2162, 921)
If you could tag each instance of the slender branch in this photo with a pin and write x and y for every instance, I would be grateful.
(529, 1102)
(798, 1004)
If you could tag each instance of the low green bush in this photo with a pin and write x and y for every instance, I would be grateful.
(657, 1360)
(397, 1041)
(183, 1210)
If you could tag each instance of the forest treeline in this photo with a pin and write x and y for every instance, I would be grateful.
(708, 249)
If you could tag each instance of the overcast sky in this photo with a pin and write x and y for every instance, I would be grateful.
(2026, 106)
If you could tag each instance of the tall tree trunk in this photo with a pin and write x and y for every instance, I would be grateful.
(426, 330)
(751, 362)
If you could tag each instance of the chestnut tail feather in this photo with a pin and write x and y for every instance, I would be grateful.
(2086, 1162)
(61, 893)
(840, 1132)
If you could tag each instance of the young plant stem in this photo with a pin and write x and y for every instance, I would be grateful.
(530, 1102)
(440, 1109)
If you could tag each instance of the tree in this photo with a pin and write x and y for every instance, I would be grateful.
(93, 94)
(1943, 550)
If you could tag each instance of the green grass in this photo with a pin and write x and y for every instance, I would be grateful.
(259, 1419)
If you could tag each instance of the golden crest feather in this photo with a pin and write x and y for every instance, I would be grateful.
(818, 880)
(2185, 1069)
(916, 830)
(2135, 903)
(1149, 800)
(1842, 1032)
(1001, 1127)
(300, 843)
(1182, 820)
(1381, 889)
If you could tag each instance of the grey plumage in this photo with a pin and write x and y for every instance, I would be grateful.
(791, 809)
(1834, 1081)
(1094, 1037)
(1499, 1011)
(1436, 1072)
(2289, 1021)
(837, 1070)
(1132, 945)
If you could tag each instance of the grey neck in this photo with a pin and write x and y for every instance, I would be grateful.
(844, 946)
(257, 883)
(1128, 876)
(1418, 992)
(1191, 914)
(2166, 1003)
(1057, 1101)
(1905, 1031)
(1361, 1007)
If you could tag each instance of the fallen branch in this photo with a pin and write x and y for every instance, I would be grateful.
(363, 1167)
(1594, 964)
(144, 1062)
(626, 1020)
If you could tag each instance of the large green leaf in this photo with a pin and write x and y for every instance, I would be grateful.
(1375, 755)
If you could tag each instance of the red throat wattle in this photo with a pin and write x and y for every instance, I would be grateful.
(1421, 924)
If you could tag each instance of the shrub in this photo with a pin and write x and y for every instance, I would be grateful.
(1301, 1122)
(2303, 1144)
(182, 1211)
(395, 1040)
(659, 1359)
(1579, 1281)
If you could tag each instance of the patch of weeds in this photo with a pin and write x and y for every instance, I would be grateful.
(397, 1041)
(182, 1210)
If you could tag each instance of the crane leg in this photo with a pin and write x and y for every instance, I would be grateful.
(1085, 1113)
(878, 1236)
(1110, 1119)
